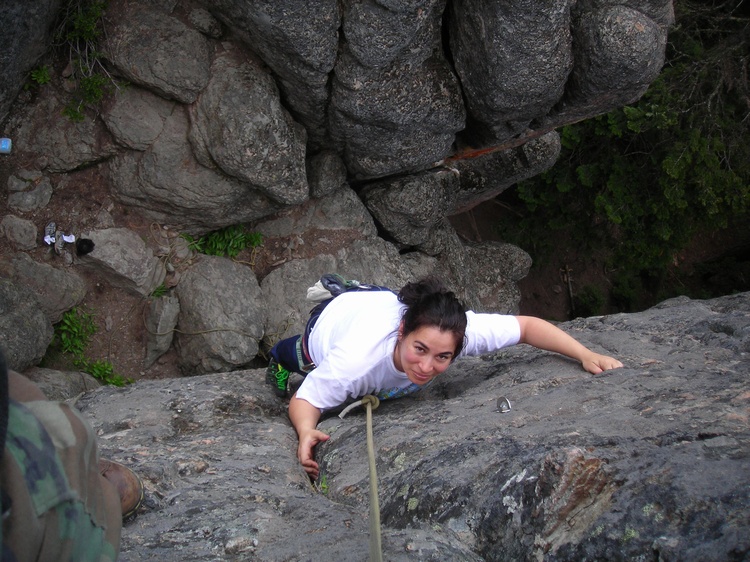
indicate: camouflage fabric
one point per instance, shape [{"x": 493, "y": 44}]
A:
[{"x": 62, "y": 508}]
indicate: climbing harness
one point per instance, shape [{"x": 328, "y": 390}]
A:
[{"x": 371, "y": 403}]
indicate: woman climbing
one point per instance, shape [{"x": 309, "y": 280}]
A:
[{"x": 376, "y": 342}]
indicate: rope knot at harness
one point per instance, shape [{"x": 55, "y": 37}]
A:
[{"x": 364, "y": 401}]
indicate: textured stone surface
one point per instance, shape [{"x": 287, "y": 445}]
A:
[
  {"x": 26, "y": 29},
  {"x": 220, "y": 324},
  {"x": 56, "y": 290},
  {"x": 121, "y": 257},
  {"x": 168, "y": 185},
  {"x": 62, "y": 385},
  {"x": 25, "y": 331},
  {"x": 647, "y": 461},
  {"x": 20, "y": 233},
  {"x": 239, "y": 125},
  {"x": 157, "y": 51}
]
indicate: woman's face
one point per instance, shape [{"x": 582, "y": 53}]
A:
[{"x": 424, "y": 353}]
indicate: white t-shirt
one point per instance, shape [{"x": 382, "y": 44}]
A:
[{"x": 352, "y": 346}]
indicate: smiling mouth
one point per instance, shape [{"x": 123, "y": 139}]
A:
[{"x": 420, "y": 377}]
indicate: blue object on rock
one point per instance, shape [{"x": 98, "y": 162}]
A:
[{"x": 5, "y": 146}]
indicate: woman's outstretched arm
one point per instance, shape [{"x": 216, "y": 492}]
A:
[
  {"x": 542, "y": 334},
  {"x": 305, "y": 419}
]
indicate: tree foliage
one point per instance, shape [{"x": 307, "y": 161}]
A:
[{"x": 643, "y": 179}]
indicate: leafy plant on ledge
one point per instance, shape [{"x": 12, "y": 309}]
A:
[
  {"x": 229, "y": 241},
  {"x": 39, "y": 76},
  {"x": 72, "y": 336}
]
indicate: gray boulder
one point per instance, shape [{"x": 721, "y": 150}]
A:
[
  {"x": 619, "y": 51},
  {"x": 163, "y": 313},
  {"x": 67, "y": 144},
  {"x": 395, "y": 119},
  {"x": 514, "y": 59},
  {"x": 136, "y": 117},
  {"x": 121, "y": 257},
  {"x": 25, "y": 331},
  {"x": 492, "y": 271},
  {"x": 20, "y": 233},
  {"x": 647, "y": 461},
  {"x": 299, "y": 44},
  {"x": 239, "y": 125},
  {"x": 408, "y": 208},
  {"x": 340, "y": 211},
  {"x": 157, "y": 51},
  {"x": 62, "y": 385},
  {"x": 484, "y": 178},
  {"x": 525, "y": 65},
  {"x": 220, "y": 324},
  {"x": 28, "y": 196},
  {"x": 204, "y": 22},
  {"x": 166, "y": 184},
  {"x": 377, "y": 33},
  {"x": 56, "y": 290}
]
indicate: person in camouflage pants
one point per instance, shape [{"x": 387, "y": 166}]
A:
[{"x": 56, "y": 504}]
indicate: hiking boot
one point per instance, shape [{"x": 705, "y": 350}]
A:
[
  {"x": 278, "y": 377},
  {"x": 127, "y": 484}
]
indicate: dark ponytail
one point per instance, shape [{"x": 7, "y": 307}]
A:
[{"x": 429, "y": 303}]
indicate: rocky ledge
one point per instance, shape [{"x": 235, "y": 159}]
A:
[{"x": 648, "y": 462}]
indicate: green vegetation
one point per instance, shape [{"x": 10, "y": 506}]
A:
[
  {"x": 589, "y": 301},
  {"x": 642, "y": 181},
  {"x": 229, "y": 241},
  {"x": 323, "y": 485},
  {"x": 104, "y": 372},
  {"x": 39, "y": 76},
  {"x": 72, "y": 336},
  {"x": 74, "y": 331},
  {"x": 79, "y": 30},
  {"x": 629, "y": 535},
  {"x": 160, "y": 291}
]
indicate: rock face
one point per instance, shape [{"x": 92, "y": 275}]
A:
[
  {"x": 644, "y": 462},
  {"x": 392, "y": 88},
  {"x": 25, "y": 330},
  {"x": 26, "y": 30},
  {"x": 346, "y": 133},
  {"x": 355, "y": 118},
  {"x": 221, "y": 317}
]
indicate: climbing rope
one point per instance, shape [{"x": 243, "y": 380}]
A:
[{"x": 371, "y": 403}]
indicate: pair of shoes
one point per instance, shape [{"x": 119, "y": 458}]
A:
[
  {"x": 126, "y": 482},
  {"x": 278, "y": 377}
]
